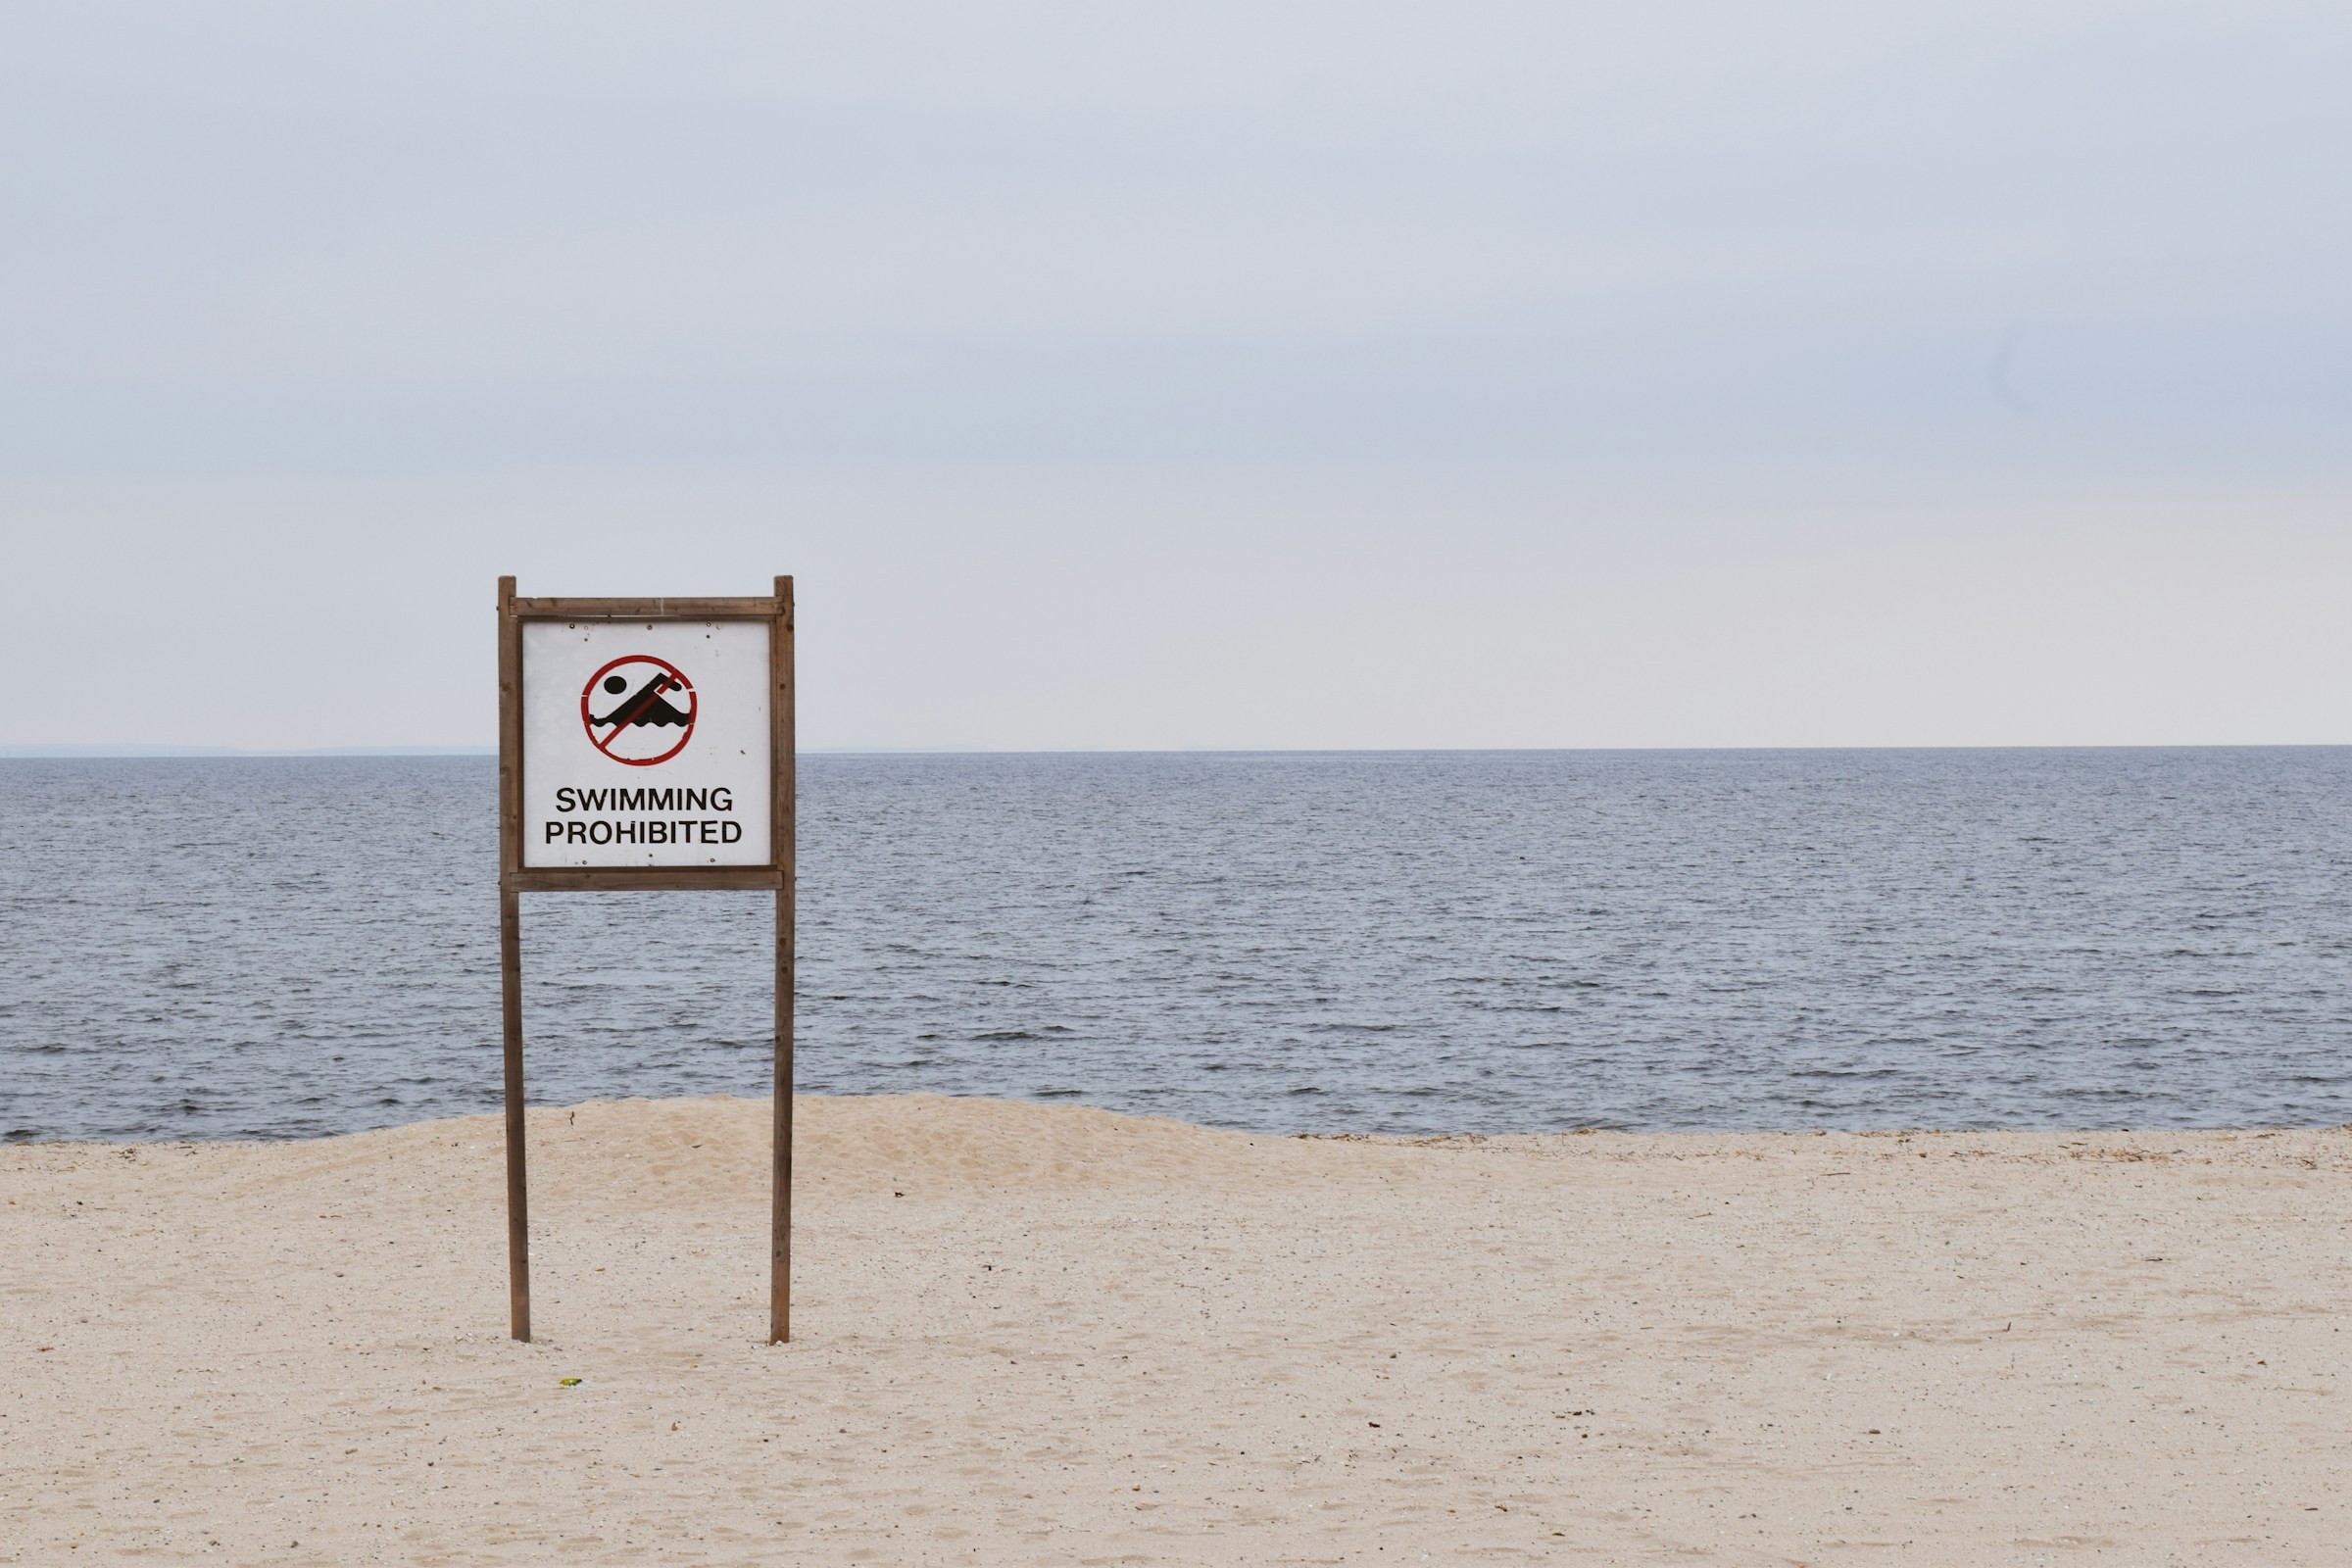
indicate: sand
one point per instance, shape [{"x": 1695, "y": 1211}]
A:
[{"x": 1032, "y": 1334}]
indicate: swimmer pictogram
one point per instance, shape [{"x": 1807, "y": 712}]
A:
[{"x": 644, "y": 700}]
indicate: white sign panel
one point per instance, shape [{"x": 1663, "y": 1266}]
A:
[{"x": 645, "y": 743}]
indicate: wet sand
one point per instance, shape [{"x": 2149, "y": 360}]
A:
[{"x": 1031, "y": 1334}]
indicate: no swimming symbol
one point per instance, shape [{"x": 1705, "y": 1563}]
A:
[{"x": 639, "y": 709}]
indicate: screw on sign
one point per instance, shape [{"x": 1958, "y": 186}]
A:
[{"x": 647, "y": 709}]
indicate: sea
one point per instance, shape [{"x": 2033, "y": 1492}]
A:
[{"x": 1402, "y": 943}]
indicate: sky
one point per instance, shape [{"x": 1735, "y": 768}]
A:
[{"x": 1191, "y": 376}]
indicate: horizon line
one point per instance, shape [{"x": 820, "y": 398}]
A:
[{"x": 67, "y": 751}]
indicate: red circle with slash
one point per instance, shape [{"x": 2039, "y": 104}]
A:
[{"x": 636, "y": 700}]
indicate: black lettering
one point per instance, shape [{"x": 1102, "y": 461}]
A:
[
  {"x": 600, "y": 832},
  {"x": 555, "y": 831},
  {"x": 722, "y": 800},
  {"x": 729, "y": 832},
  {"x": 563, "y": 799},
  {"x": 575, "y": 832}
]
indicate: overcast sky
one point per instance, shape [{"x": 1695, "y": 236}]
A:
[{"x": 1201, "y": 375}]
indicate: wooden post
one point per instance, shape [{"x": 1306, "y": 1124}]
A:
[
  {"x": 783, "y": 849},
  {"x": 509, "y": 951},
  {"x": 519, "y": 1220}
]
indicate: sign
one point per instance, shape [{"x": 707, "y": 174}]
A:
[{"x": 646, "y": 743}]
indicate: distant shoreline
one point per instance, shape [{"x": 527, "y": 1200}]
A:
[
  {"x": 68, "y": 753},
  {"x": 1680, "y": 1137},
  {"x": 111, "y": 753}
]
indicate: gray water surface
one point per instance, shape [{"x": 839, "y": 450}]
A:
[{"x": 1404, "y": 942}]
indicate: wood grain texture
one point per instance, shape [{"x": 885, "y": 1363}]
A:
[
  {"x": 643, "y": 878},
  {"x": 509, "y": 955},
  {"x": 784, "y": 847},
  {"x": 645, "y": 609}
]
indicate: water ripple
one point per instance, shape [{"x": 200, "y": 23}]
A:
[{"x": 1398, "y": 943}]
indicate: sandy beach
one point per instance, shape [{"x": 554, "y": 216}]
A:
[{"x": 1030, "y": 1334}]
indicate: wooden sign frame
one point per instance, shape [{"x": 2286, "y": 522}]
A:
[{"x": 515, "y": 879}]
